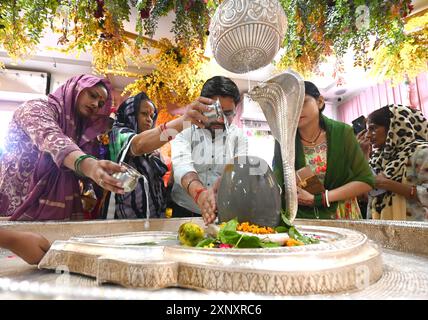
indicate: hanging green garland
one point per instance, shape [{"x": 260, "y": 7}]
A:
[{"x": 316, "y": 29}]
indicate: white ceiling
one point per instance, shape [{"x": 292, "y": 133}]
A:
[{"x": 64, "y": 65}]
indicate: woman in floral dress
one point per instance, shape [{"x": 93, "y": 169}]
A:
[{"x": 333, "y": 154}]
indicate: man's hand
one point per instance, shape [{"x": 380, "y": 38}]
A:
[{"x": 208, "y": 205}]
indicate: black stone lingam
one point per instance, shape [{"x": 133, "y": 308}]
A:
[{"x": 249, "y": 192}]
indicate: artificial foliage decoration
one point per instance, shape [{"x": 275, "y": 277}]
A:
[
  {"x": 191, "y": 20},
  {"x": 112, "y": 47},
  {"x": 320, "y": 28},
  {"x": 305, "y": 45},
  {"x": 409, "y": 58},
  {"x": 91, "y": 24},
  {"x": 98, "y": 25},
  {"x": 22, "y": 24},
  {"x": 374, "y": 30},
  {"x": 179, "y": 74}
]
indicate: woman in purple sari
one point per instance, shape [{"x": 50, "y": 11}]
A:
[{"x": 51, "y": 143}]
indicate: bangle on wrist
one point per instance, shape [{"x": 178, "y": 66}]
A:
[
  {"x": 326, "y": 199},
  {"x": 78, "y": 162},
  {"x": 131, "y": 151}
]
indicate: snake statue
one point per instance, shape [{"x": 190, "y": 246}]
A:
[{"x": 281, "y": 100}]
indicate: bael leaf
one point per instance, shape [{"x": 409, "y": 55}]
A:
[
  {"x": 254, "y": 242},
  {"x": 292, "y": 230},
  {"x": 229, "y": 237},
  {"x": 295, "y": 234},
  {"x": 228, "y": 234},
  {"x": 231, "y": 225},
  {"x": 269, "y": 244},
  {"x": 286, "y": 221},
  {"x": 205, "y": 242},
  {"x": 281, "y": 229}
]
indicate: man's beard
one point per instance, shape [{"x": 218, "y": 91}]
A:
[{"x": 213, "y": 126}]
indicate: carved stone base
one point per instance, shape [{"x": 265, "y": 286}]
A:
[{"x": 344, "y": 260}]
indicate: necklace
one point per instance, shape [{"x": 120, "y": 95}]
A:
[{"x": 312, "y": 142}]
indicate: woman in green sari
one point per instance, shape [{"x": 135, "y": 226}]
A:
[{"x": 332, "y": 152}]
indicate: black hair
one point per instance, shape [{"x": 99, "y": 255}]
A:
[
  {"x": 381, "y": 117},
  {"x": 221, "y": 86},
  {"x": 102, "y": 84},
  {"x": 312, "y": 90}
]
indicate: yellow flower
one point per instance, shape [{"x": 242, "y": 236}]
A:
[{"x": 293, "y": 242}]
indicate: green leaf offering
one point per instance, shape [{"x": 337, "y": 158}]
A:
[
  {"x": 229, "y": 235},
  {"x": 205, "y": 242},
  {"x": 293, "y": 232},
  {"x": 281, "y": 229}
]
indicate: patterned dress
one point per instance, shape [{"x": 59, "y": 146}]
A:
[
  {"x": 403, "y": 158},
  {"x": 316, "y": 158},
  {"x": 34, "y": 184},
  {"x": 149, "y": 197},
  {"x": 417, "y": 174}
]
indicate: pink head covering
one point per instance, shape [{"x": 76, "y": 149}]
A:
[
  {"x": 64, "y": 99},
  {"x": 56, "y": 185}
]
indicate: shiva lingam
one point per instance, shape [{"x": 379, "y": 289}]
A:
[{"x": 249, "y": 192}]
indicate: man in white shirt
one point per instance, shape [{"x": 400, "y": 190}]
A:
[{"x": 199, "y": 155}]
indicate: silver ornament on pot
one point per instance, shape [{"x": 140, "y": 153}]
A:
[{"x": 246, "y": 35}]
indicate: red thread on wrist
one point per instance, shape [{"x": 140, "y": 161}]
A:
[
  {"x": 413, "y": 191},
  {"x": 198, "y": 193},
  {"x": 164, "y": 128}
]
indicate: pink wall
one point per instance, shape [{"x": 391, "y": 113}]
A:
[{"x": 414, "y": 94}]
